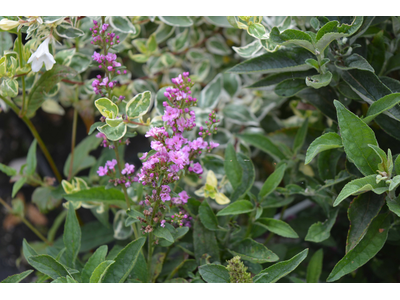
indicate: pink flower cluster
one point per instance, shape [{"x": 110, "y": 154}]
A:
[
  {"x": 173, "y": 153},
  {"x": 109, "y": 169},
  {"x": 107, "y": 62}
]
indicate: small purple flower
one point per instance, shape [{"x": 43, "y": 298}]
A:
[
  {"x": 102, "y": 171},
  {"x": 129, "y": 169},
  {"x": 163, "y": 223},
  {"x": 184, "y": 196}
]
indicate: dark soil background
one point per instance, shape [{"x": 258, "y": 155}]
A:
[{"x": 15, "y": 139}]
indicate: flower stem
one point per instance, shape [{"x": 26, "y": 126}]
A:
[
  {"x": 150, "y": 241},
  {"x": 73, "y": 141},
  {"x": 120, "y": 170},
  {"x": 37, "y": 136},
  {"x": 21, "y": 65},
  {"x": 27, "y": 223}
]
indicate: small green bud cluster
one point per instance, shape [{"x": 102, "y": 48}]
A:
[{"x": 237, "y": 271}]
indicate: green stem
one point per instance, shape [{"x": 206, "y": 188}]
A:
[
  {"x": 21, "y": 65},
  {"x": 73, "y": 141},
  {"x": 27, "y": 223},
  {"x": 150, "y": 240},
  {"x": 37, "y": 136},
  {"x": 120, "y": 170}
]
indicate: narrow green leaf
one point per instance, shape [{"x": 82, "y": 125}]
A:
[
  {"x": 124, "y": 262},
  {"x": 263, "y": 143},
  {"x": 100, "y": 271},
  {"x": 157, "y": 262},
  {"x": 394, "y": 205},
  {"x": 27, "y": 250},
  {"x": 359, "y": 185},
  {"x": 207, "y": 216},
  {"x": 18, "y": 185},
  {"x": 356, "y": 135},
  {"x": 31, "y": 159},
  {"x": 72, "y": 237},
  {"x": 277, "y": 78},
  {"x": 94, "y": 261},
  {"x": 294, "y": 37},
  {"x": 214, "y": 273},
  {"x": 7, "y": 170},
  {"x": 300, "y": 136},
  {"x": 355, "y": 61},
  {"x": 383, "y": 104},
  {"x": 17, "y": 277},
  {"x": 283, "y": 60},
  {"x": 98, "y": 194},
  {"x": 48, "y": 265},
  {"x": 366, "y": 249},
  {"x": 253, "y": 251},
  {"x": 247, "y": 179},
  {"x": 330, "y": 140},
  {"x": 280, "y": 269},
  {"x": 178, "y": 21},
  {"x": 278, "y": 227},
  {"x": 290, "y": 87},
  {"x": 314, "y": 268},
  {"x": 237, "y": 208},
  {"x": 272, "y": 182},
  {"x": 320, "y": 232},
  {"x": 233, "y": 170},
  {"x": 362, "y": 210}
]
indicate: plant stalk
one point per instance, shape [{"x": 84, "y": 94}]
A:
[
  {"x": 24, "y": 107},
  {"x": 120, "y": 170},
  {"x": 73, "y": 141},
  {"x": 27, "y": 223},
  {"x": 37, "y": 136}
]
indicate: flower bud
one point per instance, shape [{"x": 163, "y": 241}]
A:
[{"x": 6, "y": 24}]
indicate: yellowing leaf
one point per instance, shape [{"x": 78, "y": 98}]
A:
[{"x": 221, "y": 199}]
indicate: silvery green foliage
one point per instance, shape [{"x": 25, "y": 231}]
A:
[{"x": 308, "y": 110}]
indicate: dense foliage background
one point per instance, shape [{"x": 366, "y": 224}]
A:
[{"x": 302, "y": 186}]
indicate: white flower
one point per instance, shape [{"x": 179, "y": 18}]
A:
[
  {"x": 42, "y": 55},
  {"x": 6, "y": 24}
]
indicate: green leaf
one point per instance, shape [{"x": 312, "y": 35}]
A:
[
  {"x": 249, "y": 50},
  {"x": 210, "y": 95},
  {"x": 216, "y": 45},
  {"x": 177, "y": 21},
  {"x": 290, "y": 87},
  {"x": 283, "y": 60},
  {"x": 27, "y": 250},
  {"x": 113, "y": 133},
  {"x": 320, "y": 232},
  {"x": 253, "y": 251},
  {"x": 82, "y": 159},
  {"x": 394, "y": 205},
  {"x": 45, "y": 83},
  {"x": 204, "y": 243},
  {"x": 17, "y": 277},
  {"x": 68, "y": 32},
  {"x": 314, "y": 268},
  {"x": 382, "y": 105},
  {"x": 362, "y": 210},
  {"x": 366, "y": 249},
  {"x": 319, "y": 81},
  {"x": 107, "y": 108},
  {"x": 156, "y": 264},
  {"x": 72, "y": 237},
  {"x": 300, "y": 136},
  {"x": 164, "y": 233},
  {"x": 394, "y": 183},
  {"x": 256, "y": 30},
  {"x": 247, "y": 178},
  {"x": 278, "y": 227},
  {"x": 101, "y": 270},
  {"x": 94, "y": 261},
  {"x": 294, "y": 37},
  {"x": 139, "y": 105},
  {"x": 272, "y": 182},
  {"x": 163, "y": 32},
  {"x": 124, "y": 262},
  {"x": 322, "y": 99},
  {"x": 355, "y": 61},
  {"x": 8, "y": 170},
  {"x": 330, "y": 140},
  {"x": 207, "y": 216},
  {"x": 214, "y": 273},
  {"x": 122, "y": 24},
  {"x": 277, "y": 78},
  {"x": 360, "y": 185},
  {"x": 48, "y": 265},
  {"x": 263, "y": 143},
  {"x": 18, "y": 185},
  {"x": 277, "y": 271},
  {"x": 98, "y": 194},
  {"x": 332, "y": 31},
  {"x": 356, "y": 135},
  {"x": 233, "y": 170},
  {"x": 31, "y": 159},
  {"x": 44, "y": 198},
  {"x": 237, "y": 208}
]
